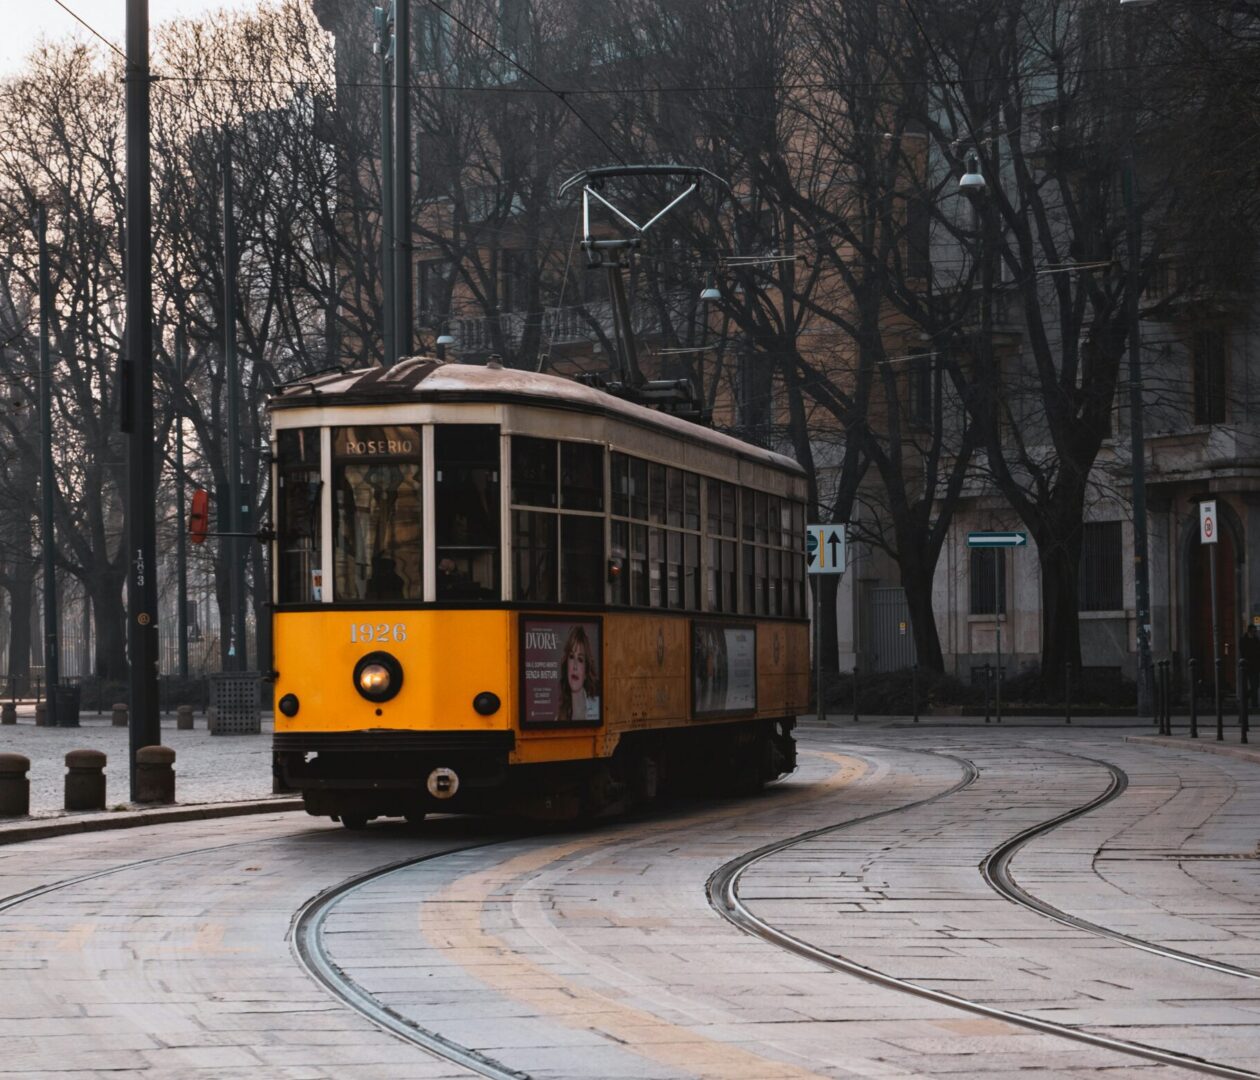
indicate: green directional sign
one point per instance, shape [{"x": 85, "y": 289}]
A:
[{"x": 997, "y": 539}]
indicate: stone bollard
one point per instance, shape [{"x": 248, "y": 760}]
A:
[
  {"x": 155, "y": 774},
  {"x": 120, "y": 714},
  {"x": 15, "y": 788},
  {"x": 41, "y": 714},
  {"x": 85, "y": 780},
  {"x": 212, "y": 718},
  {"x": 8, "y": 713},
  {"x": 185, "y": 718}
]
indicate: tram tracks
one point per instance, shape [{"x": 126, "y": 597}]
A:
[{"x": 723, "y": 890}]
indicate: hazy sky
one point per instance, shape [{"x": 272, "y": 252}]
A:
[{"x": 26, "y": 21}]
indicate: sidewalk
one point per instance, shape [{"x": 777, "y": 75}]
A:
[
  {"x": 1206, "y": 743},
  {"x": 208, "y": 768}
]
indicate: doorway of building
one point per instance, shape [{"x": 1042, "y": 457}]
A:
[{"x": 1199, "y": 602}]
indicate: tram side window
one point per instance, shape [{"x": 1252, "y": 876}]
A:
[
  {"x": 377, "y": 513},
  {"x": 773, "y": 531},
  {"x": 300, "y": 574},
  {"x": 559, "y": 551},
  {"x": 466, "y": 500},
  {"x": 661, "y": 560}
]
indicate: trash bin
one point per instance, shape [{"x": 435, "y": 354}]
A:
[
  {"x": 64, "y": 701},
  {"x": 234, "y": 695}
]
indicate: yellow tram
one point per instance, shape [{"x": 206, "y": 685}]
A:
[{"x": 503, "y": 591}]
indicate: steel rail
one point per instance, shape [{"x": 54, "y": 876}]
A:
[
  {"x": 307, "y": 939},
  {"x": 997, "y": 872},
  {"x": 723, "y": 891}
]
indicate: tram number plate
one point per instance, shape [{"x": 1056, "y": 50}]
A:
[{"x": 364, "y": 633}]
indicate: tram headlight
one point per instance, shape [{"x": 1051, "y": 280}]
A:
[{"x": 378, "y": 676}]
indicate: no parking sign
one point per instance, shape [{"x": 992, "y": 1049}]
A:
[{"x": 1207, "y": 522}]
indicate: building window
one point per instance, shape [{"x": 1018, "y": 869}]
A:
[
  {"x": 918, "y": 238},
  {"x": 920, "y": 390},
  {"x": 988, "y": 579},
  {"x": 1100, "y": 582},
  {"x": 1208, "y": 349}
]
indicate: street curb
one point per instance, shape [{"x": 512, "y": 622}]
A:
[
  {"x": 39, "y": 829},
  {"x": 1208, "y": 745}
]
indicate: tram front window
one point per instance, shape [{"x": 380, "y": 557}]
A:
[
  {"x": 377, "y": 513},
  {"x": 466, "y": 475}
]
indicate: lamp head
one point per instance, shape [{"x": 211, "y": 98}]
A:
[
  {"x": 710, "y": 294},
  {"x": 972, "y": 182}
]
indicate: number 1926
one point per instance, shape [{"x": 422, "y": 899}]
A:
[{"x": 364, "y": 633}]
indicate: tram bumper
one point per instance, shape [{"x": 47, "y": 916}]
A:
[{"x": 387, "y": 771}]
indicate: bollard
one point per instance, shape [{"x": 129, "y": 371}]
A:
[
  {"x": 1244, "y": 721},
  {"x": 914, "y": 689},
  {"x": 212, "y": 717},
  {"x": 1067, "y": 693},
  {"x": 1194, "y": 699},
  {"x": 1165, "y": 696},
  {"x": 85, "y": 780},
  {"x": 8, "y": 713},
  {"x": 1157, "y": 677},
  {"x": 41, "y": 714},
  {"x": 185, "y": 718},
  {"x": 15, "y": 788},
  {"x": 155, "y": 774},
  {"x": 855, "y": 701},
  {"x": 120, "y": 714}
]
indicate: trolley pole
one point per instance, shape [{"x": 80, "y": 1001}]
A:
[
  {"x": 142, "y": 608},
  {"x": 52, "y": 666}
]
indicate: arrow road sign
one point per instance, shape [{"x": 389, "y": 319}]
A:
[
  {"x": 997, "y": 539},
  {"x": 824, "y": 549}
]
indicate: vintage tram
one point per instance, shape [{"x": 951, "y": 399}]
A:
[{"x": 503, "y": 591}]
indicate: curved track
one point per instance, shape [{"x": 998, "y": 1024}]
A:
[
  {"x": 997, "y": 872},
  {"x": 723, "y": 888}
]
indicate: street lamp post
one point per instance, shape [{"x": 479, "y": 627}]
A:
[
  {"x": 1137, "y": 440},
  {"x": 52, "y": 667}
]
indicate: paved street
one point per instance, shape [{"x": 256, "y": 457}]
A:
[{"x": 174, "y": 951}]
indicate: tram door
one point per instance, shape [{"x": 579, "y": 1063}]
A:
[{"x": 1200, "y": 601}]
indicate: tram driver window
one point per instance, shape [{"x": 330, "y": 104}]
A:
[
  {"x": 377, "y": 513},
  {"x": 466, "y": 497},
  {"x": 299, "y": 576}
]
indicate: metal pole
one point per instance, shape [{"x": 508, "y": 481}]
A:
[
  {"x": 52, "y": 673},
  {"x": 1216, "y": 647},
  {"x": 855, "y": 688},
  {"x": 997, "y": 627},
  {"x": 1137, "y": 444},
  {"x": 988, "y": 686},
  {"x": 181, "y": 537},
  {"x": 1194, "y": 698},
  {"x": 822, "y": 715},
  {"x": 142, "y": 607},
  {"x": 1242, "y": 700},
  {"x": 1067, "y": 693},
  {"x": 385, "y": 52},
  {"x": 233, "y": 551},
  {"x": 403, "y": 300},
  {"x": 914, "y": 689}
]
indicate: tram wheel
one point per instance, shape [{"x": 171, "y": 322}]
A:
[{"x": 354, "y": 821}]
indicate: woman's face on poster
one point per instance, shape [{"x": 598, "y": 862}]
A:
[{"x": 575, "y": 667}]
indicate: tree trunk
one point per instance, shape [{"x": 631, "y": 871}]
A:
[
  {"x": 917, "y": 583},
  {"x": 111, "y": 627},
  {"x": 21, "y": 601},
  {"x": 1060, "y": 606}
]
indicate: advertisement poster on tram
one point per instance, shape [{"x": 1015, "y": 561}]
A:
[
  {"x": 723, "y": 668},
  {"x": 561, "y": 672}
]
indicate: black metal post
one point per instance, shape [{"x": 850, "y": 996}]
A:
[
  {"x": 1243, "y": 703},
  {"x": 1165, "y": 700},
  {"x": 1220, "y": 715},
  {"x": 181, "y": 534},
  {"x": 384, "y": 48},
  {"x": 233, "y": 549},
  {"x": 403, "y": 300},
  {"x": 855, "y": 690},
  {"x": 142, "y": 607},
  {"x": 988, "y": 686},
  {"x": 52, "y": 664},
  {"x": 914, "y": 689},
  {"x": 1194, "y": 698},
  {"x": 1067, "y": 693}
]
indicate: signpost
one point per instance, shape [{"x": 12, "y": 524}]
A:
[
  {"x": 825, "y": 553},
  {"x": 1207, "y": 535},
  {"x": 997, "y": 540}
]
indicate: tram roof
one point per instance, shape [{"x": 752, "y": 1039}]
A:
[{"x": 420, "y": 378}]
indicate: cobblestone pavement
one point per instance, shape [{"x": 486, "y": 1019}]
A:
[
  {"x": 597, "y": 954},
  {"x": 208, "y": 768}
]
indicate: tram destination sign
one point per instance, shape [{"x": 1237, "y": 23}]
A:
[
  {"x": 997, "y": 539},
  {"x": 825, "y": 549}
]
